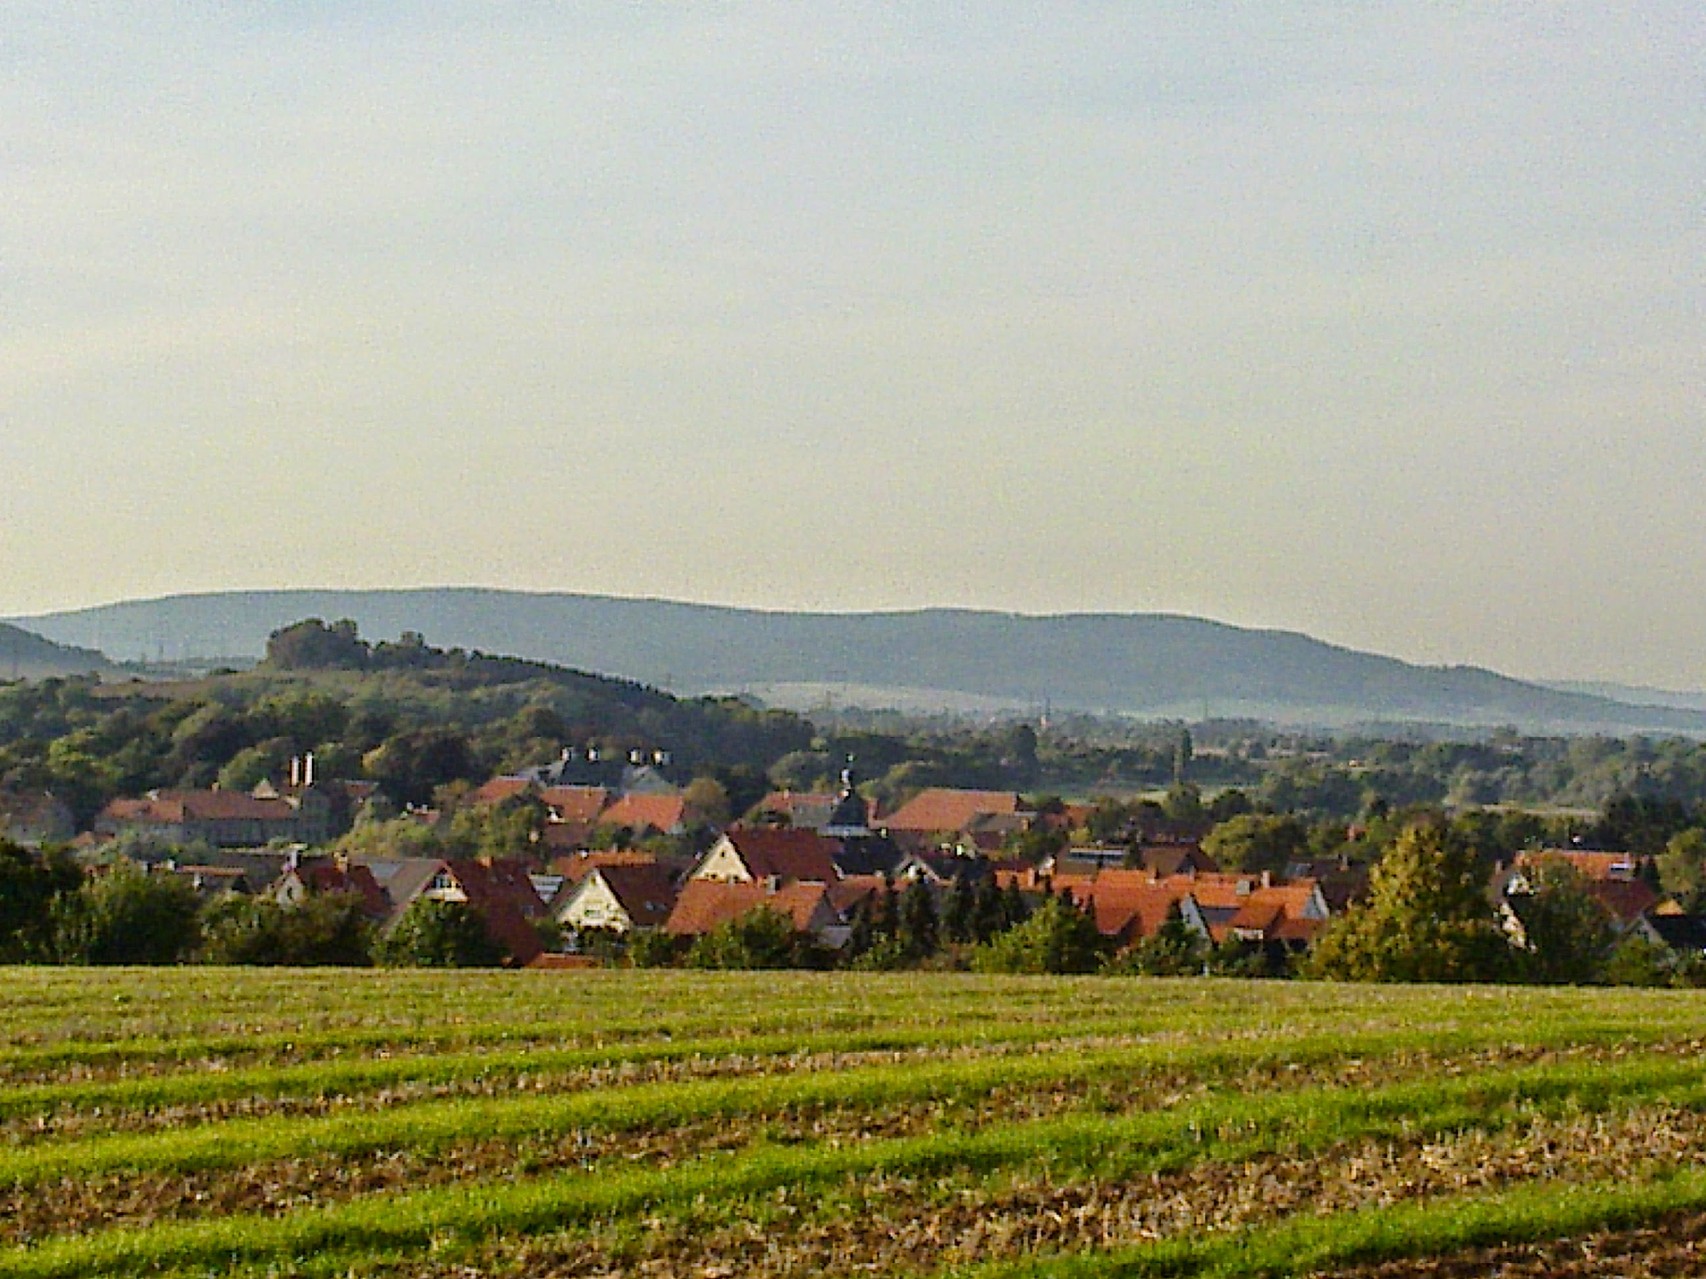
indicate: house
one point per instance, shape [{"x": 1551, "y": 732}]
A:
[
  {"x": 1246, "y": 908},
  {"x": 1621, "y": 883},
  {"x": 1163, "y": 861},
  {"x": 946, "y": 811},
  {"x": 843, "y": 814},
  {"x": 501, "y": 892},
  {"x": 316, "y": 877},
  {"x": 568, "y": 804},
  {"x": 809, "y": 908},
  {"x": 647, "y": 814},
  {"x": 1084, "y": 860},
  {"x": 1129, "y": 908},
  {"x": 575, "y": 805},
  {"x": 1254, "y": 908},
  {"x": 1683, "y": 935},
  {"x": 941, "y": 867},
  {"x": 749, "y": 854},
  {"x": 618, "y": 898},
  {"x": 221, "y": 818},
  {"x": 34, "y": 818}
]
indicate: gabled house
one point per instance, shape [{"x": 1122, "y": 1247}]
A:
[
  {"x": 1128, "y": 909},
  {"x": 316, "y": 877},
  {"x": 500, "y": 892},
  {"x": 1253, "y": 908},
  {"x": 1683, "y": 935},
  {"x": 946, "y": 811},
  {"x": 664, "y": 814},
  {"x": 618, "y": 898},
  {"x": 809, "y": 907},
  {"x": 1620, "y": 882},
  {"x": 752, "y": 854}
]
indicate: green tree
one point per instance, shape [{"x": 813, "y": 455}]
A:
[
  {"x": 1257, "y": 842},
  {"x": 1173, "y": 950},
  {"x": 707, "y": 802},
  {"x": 412, "y": 764},
  {"x": 1635, "y": 961},
  {"x": 1426, "y": 919},
  {"x": 312, "y": 645},
  {"x": 30, "y": 885},
  {"x": 1682, "y": 867},
  {"x": 918, "y": 931},
  {"x": 439, "y": 934},
  {"x": 761, "y": 938},
  {"x": 327, "y": 929},
  {"x": 129, "y": 916},
  {"x": 651, "y": 948},
  {"x": 1057, "y": 938},
  {"x": 1568, "y": 934}
]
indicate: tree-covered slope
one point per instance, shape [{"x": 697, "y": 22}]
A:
[
  {"x": 27, "y": 655},
  {"x": 1123, "y": 663}
]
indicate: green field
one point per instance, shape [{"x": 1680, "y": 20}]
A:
[{"x": 204, "y": 1121}]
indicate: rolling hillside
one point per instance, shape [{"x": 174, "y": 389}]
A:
[
  {"x": 1138, "y": 664},
  {"x": 25, "y": 654}
]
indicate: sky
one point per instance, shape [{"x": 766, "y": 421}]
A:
[{"x": 1386, "y": 323}]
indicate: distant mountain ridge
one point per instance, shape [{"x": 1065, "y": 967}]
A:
[
  {"x": 1137, "y": 664},
  {"x": 25, "y": 654}
]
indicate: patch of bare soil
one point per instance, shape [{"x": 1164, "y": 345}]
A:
[{"x": 1671, "y": 1249}]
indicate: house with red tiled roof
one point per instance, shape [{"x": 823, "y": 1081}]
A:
[
  {"x": 750, "y": 854},
  {"x": 1620, "y": 882},
  {"x": 808, "y": 906},
  {"x": 500, "y": 892},
  {"x": 1129, "y": 907},
  {"x": 220, "y": 818},
  {"x": 1592, "y": 866},
  {"x": 575, "y": 805},
  {"x": 943, "y": 810},
  {"x": 618, "y": 899},
  {"x": 498, "y": 789},
  {"x": 642, "y": 814},
  {"x": 315, "y": 877},
  {"x": 1254, "y": 908},
  {"x": 1249, "y": 908}
]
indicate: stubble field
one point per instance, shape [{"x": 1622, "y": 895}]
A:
[{"x": 201, "y": 1121}]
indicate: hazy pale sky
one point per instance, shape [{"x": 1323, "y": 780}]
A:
[{"x": 1381, "y": 322}]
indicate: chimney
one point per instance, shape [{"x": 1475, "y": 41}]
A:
[
  {"x": 295, "y": 771},
  {"x": 308, "y": 770}
]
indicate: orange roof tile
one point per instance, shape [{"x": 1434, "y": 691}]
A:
[
  {"x": 945, "y": 809},
  {"x": 704, "y": 904},
  {"x": 575, "y": 803},
  {"x": 499, "y": 789},
  {"x": 1589, "y": 865},
  {"x": 663, "y": 813}
]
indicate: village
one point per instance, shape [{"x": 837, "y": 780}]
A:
[{"x": 610, "y": 862}]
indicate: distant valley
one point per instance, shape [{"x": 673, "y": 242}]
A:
[{"x": 1145, "y": 665}]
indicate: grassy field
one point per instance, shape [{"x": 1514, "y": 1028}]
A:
[{"x": 203, "y": 1121}]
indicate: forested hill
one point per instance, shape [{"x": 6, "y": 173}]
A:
[
  {"x": 25, "y": 654},
  {"x": 1143, "y": 664}
]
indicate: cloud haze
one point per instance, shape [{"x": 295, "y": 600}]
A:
[{"x": 1379, "y": 322}]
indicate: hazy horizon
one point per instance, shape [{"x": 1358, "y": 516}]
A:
[{"x": 1386, "y": 326}]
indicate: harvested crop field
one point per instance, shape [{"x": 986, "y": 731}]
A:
[{"x": 200, "y": 1121}]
